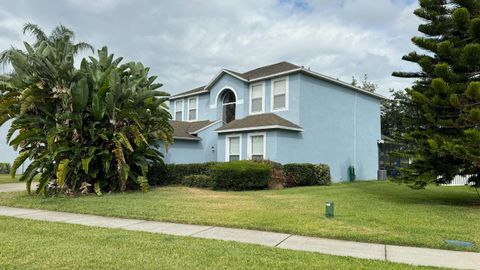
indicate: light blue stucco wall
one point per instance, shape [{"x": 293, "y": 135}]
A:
[
  {"x": 240, "y": 89},
  {"x": 203, "y": 105},
  {"x": 341, "y": 127},
  {"x": 293, "y": 112},
  {"x": 186, "y": 151},
  {"x": 209, "y": 104}
]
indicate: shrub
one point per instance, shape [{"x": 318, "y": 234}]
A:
[
  {"x": 4, "y": 168},
  {"x": 197, "y": 180},
  {"x": 158, "y": 174},
  {"x": 279, "y": 178},
  {"x": 323, "y": 174},
  {"x": 307, "y": 174},
  {"x": 241, "y": 175},
  {"x": 173, "y": 174},
  {"x": 178, "y": 171}
]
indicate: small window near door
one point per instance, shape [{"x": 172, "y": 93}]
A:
[
  {"x": 192, "y": 109},
  {"x": 256, "y": 98},
  {"x": 279, "y": 94},
  {"x": 179, "y": 110},
  {"x": 233, "y": 148},
  {"x": 257, "y": 146}
]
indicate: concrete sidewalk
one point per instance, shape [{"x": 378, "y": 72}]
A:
[{"x": 400, "y": 254}]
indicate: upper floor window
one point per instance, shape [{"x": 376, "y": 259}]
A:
[
  {"x": 228, "y": 104},
  {"x": 257, "y": 98},
  {"x": 279, "y": 94},
  {"x": 179, "y": 110},
  {"x": 193, "y": 109}
]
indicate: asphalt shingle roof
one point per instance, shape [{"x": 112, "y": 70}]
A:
[
  {"x": 249, "y": 75},
  {"x": 268, "y": 70},
  {"x": 182, "y": 130},
  {"x": 193, "y": 91},
  {"x": 268, "y": 120}
]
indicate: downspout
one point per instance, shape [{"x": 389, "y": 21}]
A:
[{"x": 355, "y": 130}]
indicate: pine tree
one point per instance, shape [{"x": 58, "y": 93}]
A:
[{"x": 446, "y": 94}]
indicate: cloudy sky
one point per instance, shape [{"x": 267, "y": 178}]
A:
[{"x": 187, "y": 42}]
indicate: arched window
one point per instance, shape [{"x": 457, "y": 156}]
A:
[{"x": 228, "y": 103}]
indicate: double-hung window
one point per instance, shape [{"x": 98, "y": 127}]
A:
[
  {"x": 256, "y": 146},
  {"x": 280, "y": 94},
  {"x": 192, "y": 109},
  {"x": 179, "y": 110},
  {"x": 233, "y": 148},
  {"x": 257, "y": 98}
]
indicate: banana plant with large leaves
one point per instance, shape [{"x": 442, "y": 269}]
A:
[{"x": 94, "y": 128}]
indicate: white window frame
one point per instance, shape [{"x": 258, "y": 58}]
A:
[
  {"x": 181, "y": 110},
  {"x": 196, "y": 109},
  {"x": 251, "y": 99},
  {"x": 227, "y": 146},
  {"x": 249, "y": 144},
  {"x": 272, "y": 83}
]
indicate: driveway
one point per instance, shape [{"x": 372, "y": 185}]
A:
[{"x": 12, "y": 187}]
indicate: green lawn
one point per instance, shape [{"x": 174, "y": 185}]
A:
[
  {"x": 26, "y": 244},
  {"x": 380, "y": 212},
  {"x": 5, "y": 178}
]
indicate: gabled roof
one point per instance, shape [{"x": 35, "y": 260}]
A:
[
  {"x": 278, "y": 69},
  {"x": 246, "y": 77},
  {"x": 269, "y": 70},
  {"x": 186, "y": 130},
  {"x": 259, "y": 122},
  {"x": 258, "y": 73}
]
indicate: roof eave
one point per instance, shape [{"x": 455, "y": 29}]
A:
[
  {"x": 205, "y": 127},
  {"x": 332, "y": 80},
  {"x": 186, "y": 138},
  {"x": 188, "y": 95},
  {"x": 219, "y": 74},
  {"x": 260, "y": 128}
]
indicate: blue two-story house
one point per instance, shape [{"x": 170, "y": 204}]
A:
[{"x": 281, "y": 112}]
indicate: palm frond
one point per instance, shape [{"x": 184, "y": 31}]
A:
[
  {"x": 82, "y": 46},
  {"x": 36, "y": 31}
]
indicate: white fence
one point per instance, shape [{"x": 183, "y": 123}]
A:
[{"x": 459, "y": 180}]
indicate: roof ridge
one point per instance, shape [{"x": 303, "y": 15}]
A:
[{"x": 271, "y": 65}]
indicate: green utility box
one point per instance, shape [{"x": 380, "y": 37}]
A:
[
  {"x": 351, "y": 173},
  {"x": 329, "y": 209}
]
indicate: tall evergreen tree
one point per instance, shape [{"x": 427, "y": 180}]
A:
[{"x": 446, "y": 93}]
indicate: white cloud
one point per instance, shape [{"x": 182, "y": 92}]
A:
[{"x": 186, "y": 42}]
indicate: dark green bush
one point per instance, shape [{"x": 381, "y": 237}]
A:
[
  {"x": 323, "y": 174},
  {"x": 4, "y": 168},
  {"x": 241, "y": 175},
  {"x": 278, "y": 179},
  {"x": 307, "y": 174},
  {"x": 158, "y": 175},
  {"x": 198, "y": 180},
  {"x": 173, "y": 174}
]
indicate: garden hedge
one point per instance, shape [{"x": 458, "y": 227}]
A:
[
  {"x": 198, "y": 180},
  {"x": 241, "y": 175},
  {"x": 173, "y": 174},
  {"x": 307, "y": 174}
]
